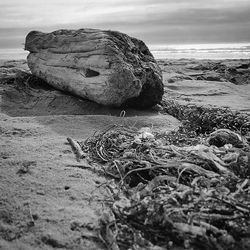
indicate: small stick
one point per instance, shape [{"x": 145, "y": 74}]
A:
[{"x": 76, "y": 148}]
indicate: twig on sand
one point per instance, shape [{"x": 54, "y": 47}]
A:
[{"x": 76, "y": 148}]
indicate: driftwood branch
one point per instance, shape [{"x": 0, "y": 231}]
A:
[{"x": 76, "y": 148}]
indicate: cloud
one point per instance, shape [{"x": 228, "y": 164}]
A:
[{"x": 155, "y": 21}]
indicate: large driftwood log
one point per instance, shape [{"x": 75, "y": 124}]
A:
[{"x": 107, "y": 67}]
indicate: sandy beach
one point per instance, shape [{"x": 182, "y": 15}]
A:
[{"x": 48, "y": 199}]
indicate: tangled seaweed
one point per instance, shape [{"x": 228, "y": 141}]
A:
[
  {"x": 205, "y": 119},
  {"x": 187, "y": 189},
  {"x": 193, "y": 196}
]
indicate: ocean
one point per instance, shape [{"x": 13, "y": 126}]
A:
[
  {"x": 13, "y": 54},
  {"x": 202, "y": 51},
  {"x": 163, "y": 51}
]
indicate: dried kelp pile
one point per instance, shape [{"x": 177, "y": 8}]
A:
[
  {"x": 204, "y": 119},
  {"x": 173, "y": 190}
]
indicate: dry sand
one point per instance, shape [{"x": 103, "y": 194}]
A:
[
  {"x": 47, "y": 200},
  {"x": 63, "y": 199}
]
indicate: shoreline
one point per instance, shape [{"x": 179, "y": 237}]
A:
[
  {"x": 202, "y": 82},
  {"x": 175, "y": 54}
]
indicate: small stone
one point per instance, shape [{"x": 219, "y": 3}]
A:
[
  {"x": 53, "y": 239},
  {"x": 25, "y": 167},
  {"x": 170, "y": 244},
  {"x": 31, "y": 223},
  {"x": 40, "y": 192},
  {"x": 90, "y": 226},
  {"x": 35, "y": 216},
  {"x": 23, "y": 170},
  {"x": 137, "y": 141},
  {"x": 186, "y": 244},
  {"x": 75, "y": 225},
  {"x": 146, "y": 135},
  {"x": 158, "y": 108},
  {"x": 73, "y": 197}
]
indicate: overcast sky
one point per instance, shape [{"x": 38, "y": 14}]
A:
[{"x": 154, "y": 21}]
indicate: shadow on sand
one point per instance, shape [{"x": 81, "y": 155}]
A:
[{"x": 68, "y": 115}]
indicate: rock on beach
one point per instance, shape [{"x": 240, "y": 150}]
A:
[{"x": 107, "y": 67}]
